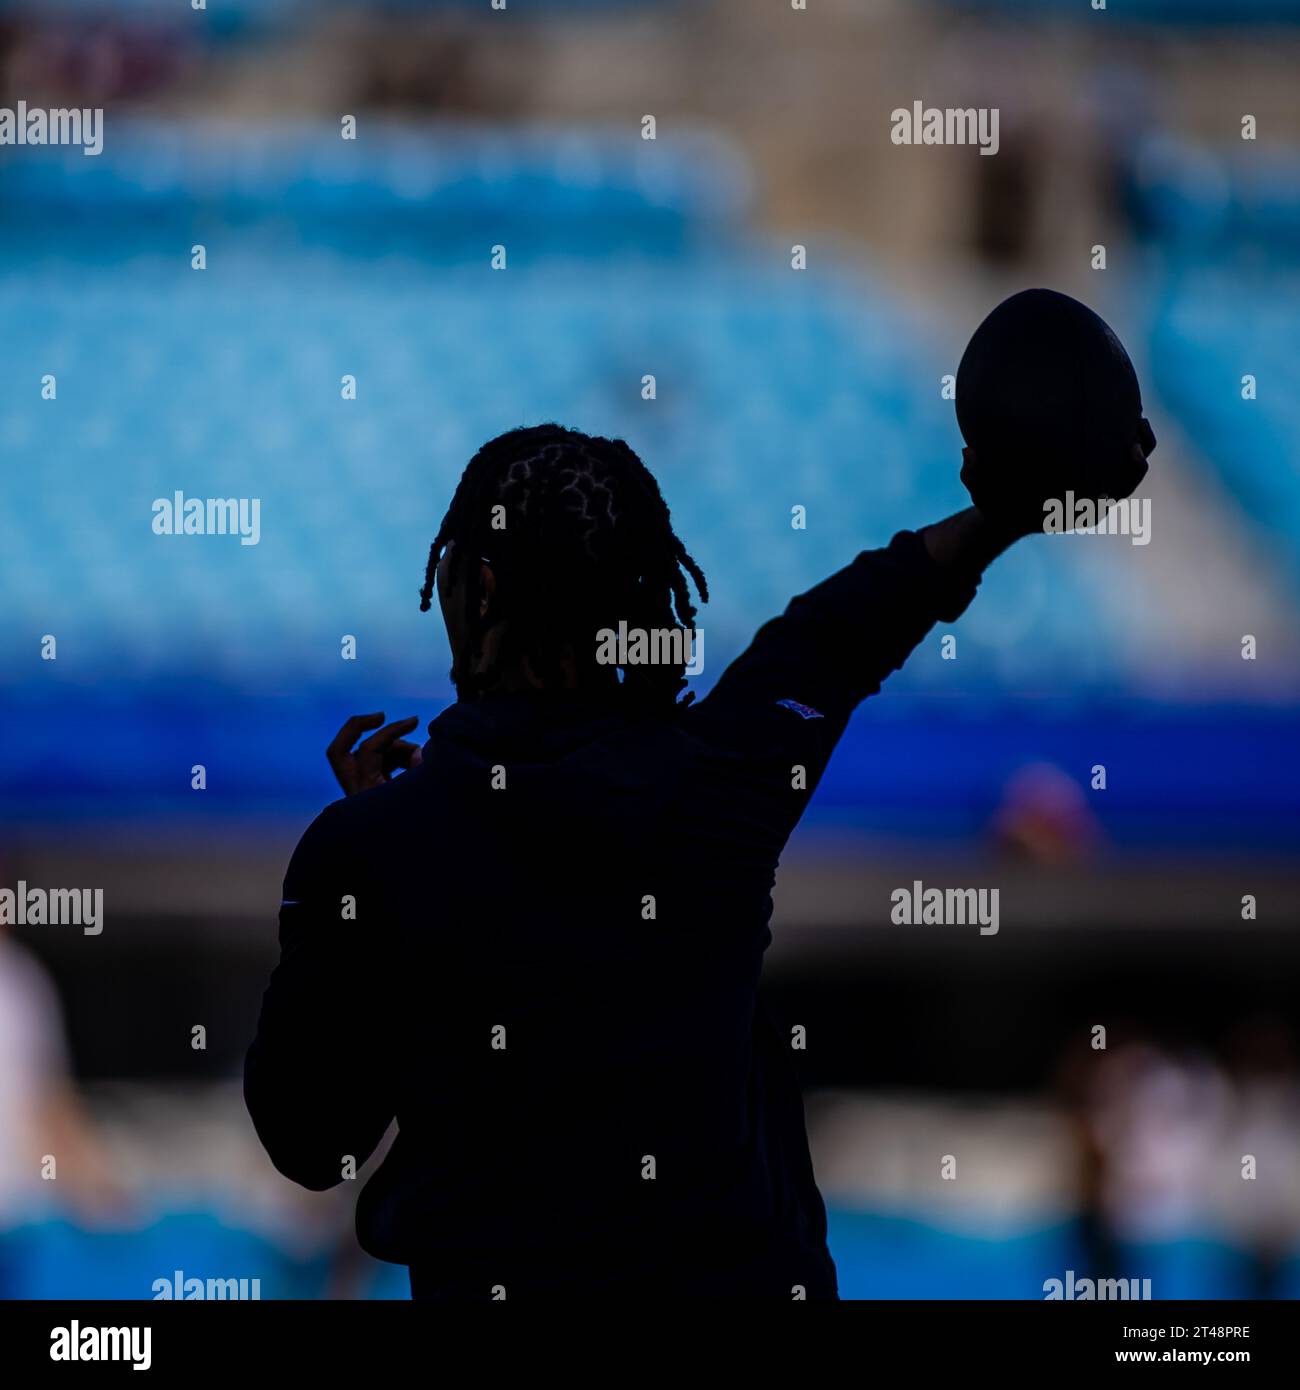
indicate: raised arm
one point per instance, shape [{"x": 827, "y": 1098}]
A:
[
  {"x": 966, "y": 543},
  {"x": 836, "y": 644}
]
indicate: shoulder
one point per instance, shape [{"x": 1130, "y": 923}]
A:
[{"x": 349, "y": 826}]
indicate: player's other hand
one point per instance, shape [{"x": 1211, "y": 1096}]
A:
[{"x": 374, "y": 760}]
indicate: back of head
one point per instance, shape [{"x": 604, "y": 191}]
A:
[{"x": 578, "y": 539}]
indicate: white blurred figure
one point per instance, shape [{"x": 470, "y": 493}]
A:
[
  {"x": 1159, "y": 1121},
  {"x": 41, "y": 1115},
  {"x": 33, "y": 1061}
]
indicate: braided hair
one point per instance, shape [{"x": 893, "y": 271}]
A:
[{"x": 582, "y": 539}]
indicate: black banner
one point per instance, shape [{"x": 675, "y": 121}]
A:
[{"x": 1047, "y": 1341}]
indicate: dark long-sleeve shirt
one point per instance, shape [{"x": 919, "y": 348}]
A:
[{"x": 540, "y": 951}]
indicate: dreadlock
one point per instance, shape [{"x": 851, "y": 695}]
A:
[{"x": 585, "y": 539}]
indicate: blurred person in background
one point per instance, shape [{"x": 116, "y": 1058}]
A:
[
  {"x": 41, "y": 1114},
  {"x": 1158, "y": 1117},
  {"x": 1045, "y": 818}
]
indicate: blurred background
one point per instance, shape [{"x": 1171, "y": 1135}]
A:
[{"x": 371, "y": 257}]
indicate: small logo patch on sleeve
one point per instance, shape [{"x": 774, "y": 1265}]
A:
[{"x": 803, "y": 711}]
